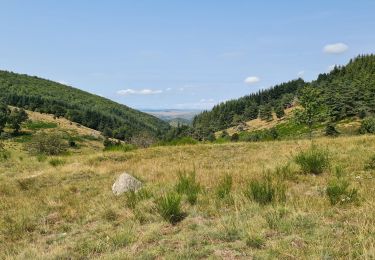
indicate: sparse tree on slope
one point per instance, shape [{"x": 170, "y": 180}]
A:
[{"x": 312, "y": 110}]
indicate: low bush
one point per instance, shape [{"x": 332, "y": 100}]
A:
[
  {"x": 47, "y": 143},
  {"x": 265, "y": 191},
  {"x": 339, "y": 192},
  {"x": 313, "y": 161},
  {"x": 368, "y": 126},
  {"x": 169, "y": 207},
  {"x": 331, "y": 130},
  {"x": 188, "y": 185},
  {"x": 225, "y": 186}
]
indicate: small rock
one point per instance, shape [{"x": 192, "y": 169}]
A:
[{"x": 125, "y": 183}]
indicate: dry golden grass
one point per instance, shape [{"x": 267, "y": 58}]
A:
[{"x": 68, "y": 211}]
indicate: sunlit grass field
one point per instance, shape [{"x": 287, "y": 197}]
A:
[{"x": 63, "y": 207}]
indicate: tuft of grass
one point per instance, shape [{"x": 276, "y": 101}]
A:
[
  {"x": 188, "y": 185},
  {"x": 110, "y": 215},
  {"x": 339, "y": 192},
  {"x": 265, "y": 191},
  {"x": 122, "y": 239},
  {"x": 169, "y": 207},
  {"x": 134, "y": 197},
  {"x": 255, "y": 241},
  {"x": 370, "y": 165},
  {"x": 56, "y": 162},
  {"x": 313, "y": 161},
  {"x": 4, "y": 155},
  {"x": 225, "y": 186}
]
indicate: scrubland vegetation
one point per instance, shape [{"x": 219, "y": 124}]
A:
[{"x": 276, "y": 199}]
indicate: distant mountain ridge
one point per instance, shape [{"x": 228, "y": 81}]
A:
[{"x": 45, "y": 96}]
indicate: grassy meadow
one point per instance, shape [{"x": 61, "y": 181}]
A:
[{"x": 62, "y": 207}]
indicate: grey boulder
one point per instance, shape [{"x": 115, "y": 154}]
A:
[{"x": 125, "y": 183}]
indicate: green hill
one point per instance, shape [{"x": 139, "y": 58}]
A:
[
  {"x": 90, "y": 110},
  {"x": 347, "y": 91}
]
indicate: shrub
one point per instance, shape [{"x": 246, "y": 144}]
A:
[
  {"x": 339, "y": 192},
  {"x": 47, "y": 143},
  {"x": 188, "y": 185},
  {"x": 265, "y": 191},
  {"x": 225, "y": 186},
  {"x": 235, "y": 137},
  {"x": 313, "y": 161},
  {"x": 331, "y": 130},
  {"x": 169, "y": 207},
  {"x": 56, "y": 162},
  {"x": 368, "y": 126}
]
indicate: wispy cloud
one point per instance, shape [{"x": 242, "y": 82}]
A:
[
  {"x": 252, "y": 80},
  {"x": 129, "y": 91},
  {"x": 301, "y": 74},
  {"x": 336, "y": 48}
]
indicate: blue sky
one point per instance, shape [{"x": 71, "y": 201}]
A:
[{"x": 181, "y": 54}]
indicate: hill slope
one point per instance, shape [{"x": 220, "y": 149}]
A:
[
  {"x": 347, "y": 91},
  {"x": 90, "y": 110}
]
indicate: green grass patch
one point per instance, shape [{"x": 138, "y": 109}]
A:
[
  {"x": 169, "y": 207},
  {"x": 37, "y": 125}
]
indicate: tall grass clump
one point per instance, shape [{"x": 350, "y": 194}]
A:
[
  {"x": 169, "y": 207},
  {"x": 370, "y": 165},
  {"x": 339, "y": 192},
  {"x": 225, "y": 186},
  {"x": 266, "y": 191},
  {"x": 4, "y": 154},
  {"x": 188, "y": 186},
  {"x": 56, "y": 162},
  {"x": 313, "y": 161}
]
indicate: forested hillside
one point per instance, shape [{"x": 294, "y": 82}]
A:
[
  {"x": 96, "y": 112},
  {"x": 349, "y": 90},
  {"x": 346, "y": 91},
  {"x": 249, "y": 107}
]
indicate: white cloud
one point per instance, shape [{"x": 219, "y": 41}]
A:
[
  {"x": 301, "y": 74},
  {"x": 252, "y": 80},
  {"x": 335, "y": 48},
  {"x": 127, "y": 92},
  {"x": 168, "y": 89}
]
